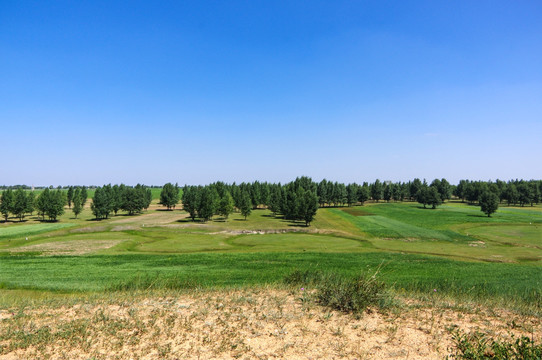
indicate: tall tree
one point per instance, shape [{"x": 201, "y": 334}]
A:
[
  {"x": 190, "y": 200},
  {"x": 169, "y": 196},
  {"x": 246, "y": 205},
  {"x": 308, "y": 207},
  {"x": 376, "y": 190},
  {"x": 84, "y": 196},
  {"x": 225, "y": 206},
  {"x": 489, "y": 203},
  {"x": 207, "y": 203},
  {"x": 6, "y": 204},
  {"x": 19, "y": 204},
  {"x": 69, "y": 196},
  {"x": 77, "y": 208}
]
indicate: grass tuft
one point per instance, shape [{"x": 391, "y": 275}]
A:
[
  {"x": 343, "y": 293},
  {"x": 477, "y": 346}
]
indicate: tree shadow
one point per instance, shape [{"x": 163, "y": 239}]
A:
[
  {"x": 189, "y": 220},
  {"x": 482, "y": 216}
]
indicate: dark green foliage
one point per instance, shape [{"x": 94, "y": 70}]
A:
[
  {"x": 6, "y": 203},
  {"x": 489, "y": 203},
  {"x": 69, "y": 196},
  {"x": 275, "y": 199},
  {"x": 245, "y": 205},
  {"x": 83, "y": 196},
  {"x": 101, "y": 205},
  {"x": 30, "y": 200},
  {"x": 429, "y": 195},
  {"x": 477, "y": 346},
  {"x": 352, "y": 193},
  {"x": 169, "y": 196},
  {"x": 525, "y": 193},
  {"x": 363, "y": 193},
  {"x": 134, "y": 200},
  {"x": 190, "y": 200},
  {"x": 377, "y": 190},
  {"x": 51, "y": 203},
  {"x": 225, "y": 206},
  {"x": 77, "y": 208},
  {"x": 308, "y": 206},
  {"x": 207, "y": 203},
  {"x": 19, "y": 204}
]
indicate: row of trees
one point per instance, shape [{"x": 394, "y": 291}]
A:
[
  {"x": 49, "y": 203},
  {"x": 108, "y": 199},
  {"x": 296, "y": 200}
]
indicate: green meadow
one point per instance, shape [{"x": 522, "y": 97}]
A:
[{"x": 454, "y": 250}]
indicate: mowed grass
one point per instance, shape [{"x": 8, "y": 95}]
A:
[{"x": 16, "y": 230}]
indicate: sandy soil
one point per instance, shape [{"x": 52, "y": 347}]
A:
[
  {"x": 72, "y": 247},
  {"x": 243, "y": 324}
]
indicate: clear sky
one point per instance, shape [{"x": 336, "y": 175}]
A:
[{"x": 95, "y": 92}]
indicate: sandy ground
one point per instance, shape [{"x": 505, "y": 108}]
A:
[
  {"x": 71, "y": 247},
  {"x": 244, "y": 324}
]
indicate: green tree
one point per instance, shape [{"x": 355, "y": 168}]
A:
[
  {"x": 489, "y": 203},
  {"x": 308, "y": 206},
  {"x": 275, "y": 199},
  {"x": 377, "y": 190},
  {"x": 6, "y": 204},
  {"x": 69, "y": 196},
  {"x": 84, "y": 196},
  {"x": 77, "y": 208},
  {"x": 246, "y": 205},
  {"x": 30, "y": 200},
  {"x": 133, "y": 200},
  {"x": 363, "y": 193},
  {"x": 206, "y": 208},
  {"x": 352, "y": 193},
  {"x": 190, "y": 200},
  {"x": 169, "y": 196},
  {"x": 19, "y": 204},
  {"x": 225, "y": 206},
  {"x": 101, "y": 205}
]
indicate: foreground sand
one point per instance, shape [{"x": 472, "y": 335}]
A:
[{"x": 243, "y": 324}]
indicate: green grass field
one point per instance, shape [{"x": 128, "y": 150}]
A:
[{"x": 454, "y": 249}]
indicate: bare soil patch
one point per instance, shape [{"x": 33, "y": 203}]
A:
[
  {"x": 72, "y": 247},
  {"x": 242, "y": 324}
]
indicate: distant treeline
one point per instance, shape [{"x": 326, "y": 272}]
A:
[{"x": 297, "y": 200}]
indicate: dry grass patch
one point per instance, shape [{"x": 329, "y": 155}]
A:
[{"x": 243, "y": 324}]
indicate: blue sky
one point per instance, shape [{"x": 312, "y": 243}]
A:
[{"x": 95, "y": 92}]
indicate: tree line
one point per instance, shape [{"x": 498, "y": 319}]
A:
[
  {"x": 50, "y": 203},
  {"x": 110, "y": 199},
  {"x": 298, "y": 200}
]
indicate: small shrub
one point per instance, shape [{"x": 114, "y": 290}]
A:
[
  {"x": 353, "y": 294},
  {"x": 344, "y": 293},
  {"x": 478, "y": 346}
]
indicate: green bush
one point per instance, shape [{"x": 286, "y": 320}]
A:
[
  {"x": 339, "y": 292},
  {"x": 478, "y": 346}
]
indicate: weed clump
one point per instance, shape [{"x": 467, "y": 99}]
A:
[
  {"x": 477, "y": 346},
  {"x": 347, "y": 294}
]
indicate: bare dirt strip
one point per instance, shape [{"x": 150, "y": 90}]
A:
[{"x": 243, "y": 324}]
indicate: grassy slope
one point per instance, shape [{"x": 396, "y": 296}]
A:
[{"x": 218, "y": 253}]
